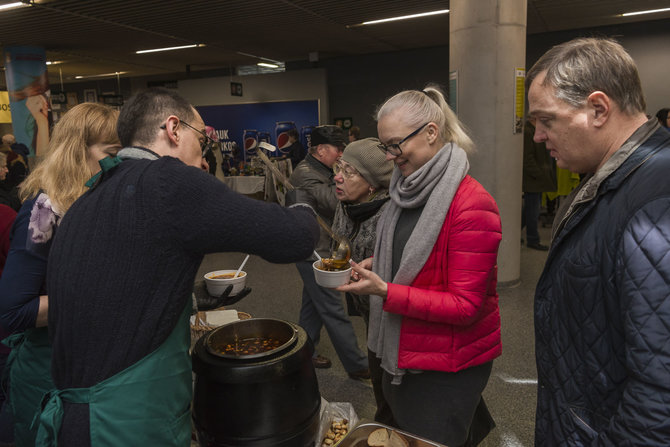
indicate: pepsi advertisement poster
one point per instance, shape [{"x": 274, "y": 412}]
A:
[{"x": 242, "y": 126}]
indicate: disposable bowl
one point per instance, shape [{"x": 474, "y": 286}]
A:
[
  {"x": 216, "y": 286},
  {"x": 330, "y": 280}
]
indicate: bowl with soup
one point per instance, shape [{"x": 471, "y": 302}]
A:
[
  {"x": 218, "y": 280},
  {"x": 330, "y": 273}
]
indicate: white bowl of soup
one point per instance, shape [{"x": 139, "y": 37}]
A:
[
  {"x": 218, "y": 280},
  {"x": 333, "y": 278}
]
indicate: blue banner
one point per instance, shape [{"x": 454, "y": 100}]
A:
[
  {"x": 28, "y": 88},
  {"x": 230, "y": 121}
]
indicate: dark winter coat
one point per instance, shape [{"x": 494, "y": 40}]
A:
[
  {"x": 539, "y": 169},
  {"x": 602, "y": 308}
]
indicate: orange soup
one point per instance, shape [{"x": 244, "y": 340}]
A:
[{"x": 227, "y": 275}]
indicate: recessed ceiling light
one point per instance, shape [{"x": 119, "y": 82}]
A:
[
  {"x": 102, "y": 75},
  {"x": 649, "y": 11},
  {"x": 13, "y": 5},
  {"x": 154, "y": 50},
  {"x": 265, "y": 64},
  {"x": 410, "y": 16}
]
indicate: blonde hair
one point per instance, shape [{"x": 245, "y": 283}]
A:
[
  {"x": 3, "y": 158},
  {"x": 63, "y": 172},
  {"x": 428, "y": 105}
]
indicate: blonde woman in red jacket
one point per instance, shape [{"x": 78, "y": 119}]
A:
[{"x": 434, "y": 317}]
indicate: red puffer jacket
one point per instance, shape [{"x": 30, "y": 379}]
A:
[{"x": 451, "y": 319}]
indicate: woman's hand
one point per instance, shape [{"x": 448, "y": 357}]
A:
[{"x": 368, "y": 282}]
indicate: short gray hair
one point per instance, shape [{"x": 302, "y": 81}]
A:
[{"x": 582, "y": 66}]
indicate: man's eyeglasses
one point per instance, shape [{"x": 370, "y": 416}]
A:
[
  {"x": 205, "y": 145},
  {"x": 394, "y": 149},
  {"x": 347, "y": 171}
]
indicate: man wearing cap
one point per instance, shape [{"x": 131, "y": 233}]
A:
[{"x": 320, "y": 306}]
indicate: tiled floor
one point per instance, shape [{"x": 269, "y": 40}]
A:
[{"x": 510, "y": 393}]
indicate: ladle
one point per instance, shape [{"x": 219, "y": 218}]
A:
[{"x": 341, "y": 247}]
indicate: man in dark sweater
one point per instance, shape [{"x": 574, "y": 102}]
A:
[{"x": 121, "y": 272}]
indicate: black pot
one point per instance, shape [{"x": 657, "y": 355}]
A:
[{"x": 259, "y": 400}]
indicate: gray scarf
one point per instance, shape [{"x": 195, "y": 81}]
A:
[{"x": 433, "y": 185}]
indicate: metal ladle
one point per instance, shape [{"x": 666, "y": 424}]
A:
[{"x": 340, "y": 247}]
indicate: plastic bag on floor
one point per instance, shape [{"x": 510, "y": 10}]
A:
[{"x": 337, "y": 419}]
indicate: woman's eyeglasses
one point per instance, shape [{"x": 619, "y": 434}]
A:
[
  {"x": 346, "y": 171},
  {"x": 394, "y": 149}
]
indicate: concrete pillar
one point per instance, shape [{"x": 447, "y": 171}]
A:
[{"x": 487, "y": 42}]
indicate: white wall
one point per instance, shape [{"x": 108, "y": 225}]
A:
[{"x": 288, "y": 86}]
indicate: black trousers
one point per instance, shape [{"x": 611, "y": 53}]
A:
[{"x": 441, "y": 406}]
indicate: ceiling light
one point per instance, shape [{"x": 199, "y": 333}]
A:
[
  {"x": 103, "y": 75},
  {"x": 650, "y": 11},
  {"x": 265, "y": 64},
  {"x": 272, "y": 61},
  {"x": 13, "y": 5},
  {"x": 154, "y": 50},
  {"x": 411, "y": 16}
]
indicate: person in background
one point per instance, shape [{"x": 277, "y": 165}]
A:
[
  {"x": 17, "y": 169},
  {"x": 208, "y": 156},
  {"x": 354, "y": 134},
  {"x": 7, "y": 216},
  {"x": 9, "y": 143},
  {"x": 602, "y": 308},
  {"x": 663, "y": 117},
  {"x": 539, "y": 175},
  {"x": 362, "y": 178},
  {"x": 434, "y": 317},
  {"x": 127, "y": 253},
  {"x": 320, "y": 306},
  {"x": 294, "y": 150},
  {"x": 85, "y": 135},
  {"x": 9, "y": 195}
]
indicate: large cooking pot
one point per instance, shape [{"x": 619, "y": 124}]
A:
[{"x": 257, "y": 399}]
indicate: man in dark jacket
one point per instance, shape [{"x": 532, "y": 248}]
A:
[
  {"x": 602, "y": 304},
  {"x": 321, "y": 306},
  {"x": 539, "y": 175}
]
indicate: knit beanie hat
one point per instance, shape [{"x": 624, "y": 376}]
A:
[{"x": 369, "y": 161}]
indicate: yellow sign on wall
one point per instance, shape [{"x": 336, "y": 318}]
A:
[
  {"x": 5, "y": 112},
  {"x": 519, "y": 99}
]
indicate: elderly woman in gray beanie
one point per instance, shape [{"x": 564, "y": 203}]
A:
[{"x": 362, "y": 177}]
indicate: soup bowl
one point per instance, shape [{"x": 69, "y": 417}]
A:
[
  {"x": 330, "y": 280},
  {"x": 218, "y": 280}
]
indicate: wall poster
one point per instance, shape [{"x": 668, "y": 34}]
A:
[
  {"x": 519, "y": 99},
  {"x": 231, "y": 121}
]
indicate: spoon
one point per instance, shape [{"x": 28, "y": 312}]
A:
[{"x": 241, "y": 266}]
